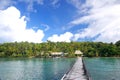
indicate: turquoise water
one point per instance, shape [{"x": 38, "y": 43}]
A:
[
  {"x": 103, "y": 68},
  {"x": 34, "y": 68}
]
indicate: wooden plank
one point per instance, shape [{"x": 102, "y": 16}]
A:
[{"x": 77, "y": 72}]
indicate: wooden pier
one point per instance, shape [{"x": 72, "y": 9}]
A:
[{"x": 77, "y": 72}]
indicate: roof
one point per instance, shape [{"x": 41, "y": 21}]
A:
[
  {"x": 56, "y": 53},
  {"x": 78, "y": 52}
]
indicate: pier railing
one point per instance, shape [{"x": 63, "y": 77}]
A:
[
  {"x": 88, "y": 77},
  {"x": 85, "y": 71}
]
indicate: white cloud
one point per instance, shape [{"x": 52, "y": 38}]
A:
[
  {"x": 47, "y": 27},
  {"x": 30, "y": 4},
  {"x": 55, "y": 3},
  {"x": 6, "y": 3},
  {"x": 102, "y": 17},
  {"x": 13, "y": 27},
  {"x": 76, "y": 3},
  {"x": 66, "y": 37},
  {"x": 44, "y": 27}
]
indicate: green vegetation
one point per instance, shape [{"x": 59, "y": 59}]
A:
[{"x": 89, "y": 49}]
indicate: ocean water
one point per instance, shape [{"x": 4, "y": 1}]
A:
[
  {"x": 103, "y": 68},
  {"x": 34, "y": 68}
]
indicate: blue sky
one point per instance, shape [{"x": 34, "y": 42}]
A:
[
  {"x": 54, "y": 15},
  {"x": 59, "y": 20}
]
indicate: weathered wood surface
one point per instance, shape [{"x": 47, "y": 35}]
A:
[{"x": 77, "y": 72}]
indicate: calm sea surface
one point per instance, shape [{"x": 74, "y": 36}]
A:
[
  {"x": 34, "y": 68},
  {"x": 103, "y": 68}
]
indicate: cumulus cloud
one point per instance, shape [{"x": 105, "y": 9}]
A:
[
  {"x": 103, "y": 19},
  {"x": 13, "y": 27},
  {"x": 66, "y": 37}
]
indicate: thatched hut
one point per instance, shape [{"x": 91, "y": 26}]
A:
[{"x": 78, "y": 53}]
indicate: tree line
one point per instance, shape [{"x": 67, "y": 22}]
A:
[{"x": 89, "y": 49}]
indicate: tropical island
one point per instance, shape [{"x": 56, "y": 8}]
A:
[{"x": 47, "y": 49}]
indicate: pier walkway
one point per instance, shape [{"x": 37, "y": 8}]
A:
[{"x": 77, "y": 72}]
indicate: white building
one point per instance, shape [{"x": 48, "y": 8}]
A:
[{"x": 57, "y": 53}]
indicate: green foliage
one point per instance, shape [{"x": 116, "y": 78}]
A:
[
  {"x": 89, "y": 49},
  {"x": 70, "y": 55},
  {"x": 117, "y": 43}
]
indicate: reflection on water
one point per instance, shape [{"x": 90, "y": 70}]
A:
[
  {"x": 34, "y": 69},
  {"x": 103, "y": 68}
]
